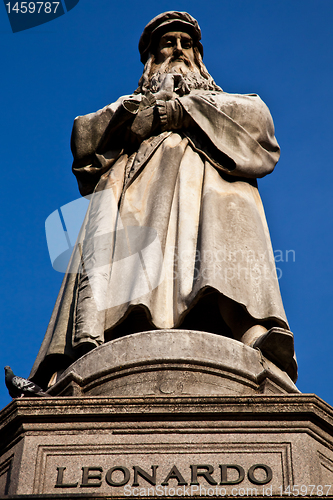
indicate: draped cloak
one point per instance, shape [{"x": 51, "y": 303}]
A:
[{"x": 193, "y": 195}]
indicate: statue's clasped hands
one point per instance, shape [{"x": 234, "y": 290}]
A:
[{"x": 153, "y": 111}]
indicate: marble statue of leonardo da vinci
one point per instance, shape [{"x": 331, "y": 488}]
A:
[{"x": 175, "y": 163}]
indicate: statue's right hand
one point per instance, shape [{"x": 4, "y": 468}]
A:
[
  {"x": 163, "y": 95},
  {"x": 166, "y": 88},
  {"x": 171, "y": 87},
  {"x": 167, "y": 83}
]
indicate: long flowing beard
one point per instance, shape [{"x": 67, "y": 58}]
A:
[
  {"x": 190, "y": 74},
  {"x": 192, "y": 79},
  {"x": 195, "y": 78}
]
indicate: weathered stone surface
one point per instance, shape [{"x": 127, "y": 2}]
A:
[
  {"x": 70, "y": 440},
  {"x": 173, "y": 362}
]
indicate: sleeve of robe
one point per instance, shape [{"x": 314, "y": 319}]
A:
[
  {"x": 98, "y": 140},
  {"x": 236, "y": 132}
]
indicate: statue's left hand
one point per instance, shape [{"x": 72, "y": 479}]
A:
[{"x": 145, "y": 122}]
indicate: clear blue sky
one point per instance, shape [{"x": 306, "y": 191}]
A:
[{"x": 86, "y": 59}]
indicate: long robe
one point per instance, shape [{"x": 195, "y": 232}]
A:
[{"x": 192, "y": 196}]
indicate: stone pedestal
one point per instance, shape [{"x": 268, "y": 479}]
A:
[
  {"x": 151, "y": 421},
  {"x": 118, "y": 447},
  {"x": 173, "y": 362}
]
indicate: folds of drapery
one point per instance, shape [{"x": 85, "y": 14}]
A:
[{"x": 196, "y": 191}]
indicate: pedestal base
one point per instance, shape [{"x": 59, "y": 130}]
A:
[{"x": 119, "y": 447}]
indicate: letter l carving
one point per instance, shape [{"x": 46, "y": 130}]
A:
[{"x": 60, "y": 480}]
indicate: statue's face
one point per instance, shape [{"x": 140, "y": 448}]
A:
[{"x": 178, "y": 46}]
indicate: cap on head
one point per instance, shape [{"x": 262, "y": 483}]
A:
[{"x": 163, "y": 23}]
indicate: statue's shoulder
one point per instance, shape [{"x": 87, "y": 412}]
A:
[
  {"x": 238, "y": 104},
  {"x": 88, "y": 129},
  {"x": 216, "y": 97},
  {"x": 103, "y": 113}
]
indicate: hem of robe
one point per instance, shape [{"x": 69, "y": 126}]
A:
[{"x": 56, "y": 361}]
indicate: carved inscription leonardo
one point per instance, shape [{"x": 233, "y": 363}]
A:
[{"x": 117, "y": 469}]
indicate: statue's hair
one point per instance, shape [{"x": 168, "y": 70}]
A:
[
  {"x": 206, "y": 83},
  {"x": 144, "y": 81}
]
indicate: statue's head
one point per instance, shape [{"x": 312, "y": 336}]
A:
[
  {"x": 165, "y": 23},
  {"x": 170, "y": 43}
]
